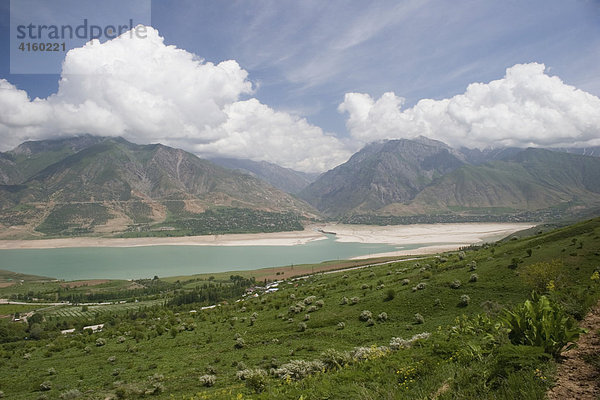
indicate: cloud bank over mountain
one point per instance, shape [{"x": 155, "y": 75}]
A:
[
  {"x": 525, "y": 108},
  {"x": 148, "y": 92}
]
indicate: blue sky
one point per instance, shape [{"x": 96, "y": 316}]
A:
[{"x": 304, "y": 56}]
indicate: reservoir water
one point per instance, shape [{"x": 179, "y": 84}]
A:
[{"x": 146, "y": 262}]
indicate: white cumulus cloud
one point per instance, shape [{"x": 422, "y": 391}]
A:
[
  {"x": 146, "y": 91},
  {"x": 526, "y": 107}
]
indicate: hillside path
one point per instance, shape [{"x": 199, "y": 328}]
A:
[{"x": 575, "y": 378}]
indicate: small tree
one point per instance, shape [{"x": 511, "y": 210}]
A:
[{"x": 389, "y": 295}]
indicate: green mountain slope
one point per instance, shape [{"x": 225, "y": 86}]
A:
[{"x": 533, "y": 179}]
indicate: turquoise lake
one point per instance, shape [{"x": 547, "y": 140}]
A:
[{"x": 146, "y": 262}]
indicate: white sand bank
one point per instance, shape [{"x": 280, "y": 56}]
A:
[{"x": 441, "y": 236}]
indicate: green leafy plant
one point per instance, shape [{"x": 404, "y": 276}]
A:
[{"x": 538, "y": 322}]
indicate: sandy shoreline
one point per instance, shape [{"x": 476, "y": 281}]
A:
[
  {"x": 249, "y": 239},
  {"x": 430, "y": 235},
  {"x": 455, "y": 234}
]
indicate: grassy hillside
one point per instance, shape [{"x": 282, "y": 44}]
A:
[{"x": 426, "y": 328}]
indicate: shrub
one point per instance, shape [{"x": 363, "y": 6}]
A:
[
  {"x": 112, "y": 359},
  {"x": 365, "y": 315},
  {"x": 405, "y": 282},
  {"x": 371, "y": 274},
  {"x": 256, "y": 379},
  {"x": 370, "y": 322},
  {"x": 364, "y": 286},
  {"x": 491, "y": 307},
  {"x": 539, "y": 275},
  {"x": 45, "y": 386},
  {"x": 472, "y": 265},
  {"x": 120, "y": 339},
  {"x": 382, "y": 317},
  {"x": 333, "y": 359},
  {"x": 461, "y": 255},
  {"x": 211, "y": 370},
  {"x": 239, "y": 365},
  {"x": 319, "y": 303},
  {"x": 100, "y": 342},
  {"x": 343, "y": 301},
  {"x": 354, "y": 300},
  {"x": 341, "y": 325},
  {"x": 464, "y": 300},
  {"x": 309, "y": 300},
  {"x": 389, "y": 295},
  {"x": 538, "y": 322},
  {"x": 301, "y": 327},
  {"x": 437, "y": 303},
  {"x": 311, "y": 309},
  {"x": 427, "y": 275},
  {"x": 299, "y": 369},
  {"x": 51, "y": 371},
  {"x": 473, "y": 278},
  {"x": 292, "y": 296},
  {"x": 71, "y": 394},
  {"x": 455, "y": 284},
  {"x": 306, "y": 317},
  {"x": 369, "y": 353},
  {"x": 514, "y": 263},
  {"x": 207, "y": 380},
  {"x": 419, "y": 319},
  {"x": 421, "y": 286},
  {"x": 398, "y": 343},
  {"x": 296, "y": 309},
  {"x": 239, "y": 343}
]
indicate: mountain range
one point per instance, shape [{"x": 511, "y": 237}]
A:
[
  {"x": 100, "y": 185},
  {"x": 286, "y": 179},
  {"x": 423, "y": 177},
  {"x": 92, "y": 184}
]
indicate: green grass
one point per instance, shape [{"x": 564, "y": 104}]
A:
[
  {"x": 74, "y": 219},
  {"x": 9, "y": 309},
  {"x": 95, "y": 310},
  {"x": 166, "y": 349}
]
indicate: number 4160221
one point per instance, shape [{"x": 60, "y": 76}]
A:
[{"x": 28, "y": 46}]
